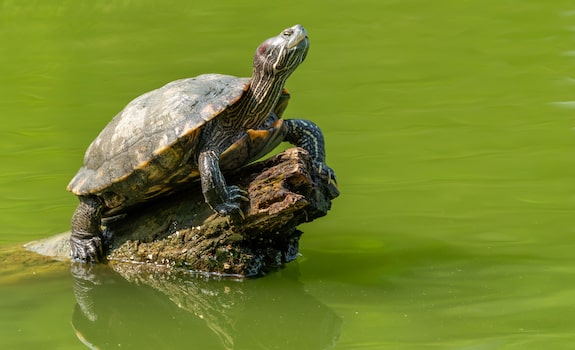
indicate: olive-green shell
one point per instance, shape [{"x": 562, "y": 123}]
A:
[{"x": 153, "y": 135}]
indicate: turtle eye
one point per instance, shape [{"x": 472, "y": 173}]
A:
[{"x": 287, "y": 33}]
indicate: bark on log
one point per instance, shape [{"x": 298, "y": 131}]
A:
[{"x": 181, "y": 231}]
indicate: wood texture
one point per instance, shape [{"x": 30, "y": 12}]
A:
[{"x": 181, "y": 231}]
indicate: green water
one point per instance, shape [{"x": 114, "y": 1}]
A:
[{"x": 450, "y": 126}]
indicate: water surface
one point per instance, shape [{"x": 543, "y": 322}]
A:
[{"x": 449, "y": 124}]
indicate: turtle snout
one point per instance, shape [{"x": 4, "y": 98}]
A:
[{"x": 295, "y": 35}]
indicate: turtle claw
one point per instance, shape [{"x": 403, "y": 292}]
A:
[
  {"x": 241, "y": 212},
  {"x": 228, "y": 209},
  {"x": 232, "y": 206},
  {"x": 328, "y": 173},
  {"x": 332, "y": 178},
  {"x": 236, "y": 193}
]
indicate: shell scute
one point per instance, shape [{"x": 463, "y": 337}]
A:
[{"x": 149, "y": 140}]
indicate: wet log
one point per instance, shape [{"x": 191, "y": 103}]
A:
[{"x": 182, "y": 232}]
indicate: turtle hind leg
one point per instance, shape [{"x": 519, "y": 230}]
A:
[
  {"x": 86, "y": 239},
  {"x": 307, "y": 135}
]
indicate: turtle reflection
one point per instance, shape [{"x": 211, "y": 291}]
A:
[{"x": 133, "y": 308}]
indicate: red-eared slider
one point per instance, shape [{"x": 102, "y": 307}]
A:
[{"x": 189, "y": 129}]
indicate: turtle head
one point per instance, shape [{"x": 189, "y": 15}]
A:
[{"x": 279, "y": 56}]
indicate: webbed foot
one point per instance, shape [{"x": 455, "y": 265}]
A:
[
  {"x": 86, "y": 239},
  {"x": 86, "y": 249}
]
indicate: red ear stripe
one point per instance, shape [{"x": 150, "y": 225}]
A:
[{"x": 262, "y": 48}]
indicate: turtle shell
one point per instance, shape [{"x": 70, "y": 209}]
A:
[{"x": 148, "y": 145}]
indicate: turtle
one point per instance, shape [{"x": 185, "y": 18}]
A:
[{"x": 188, "y": 130}]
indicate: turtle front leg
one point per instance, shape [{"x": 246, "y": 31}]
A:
[
  {"x": 223, "y": 199},
  {"x": 307, "y": 135},
  {"x": 86, "y": 238}
]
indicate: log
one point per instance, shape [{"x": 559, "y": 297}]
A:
[{"x": 182, "y": 232}]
